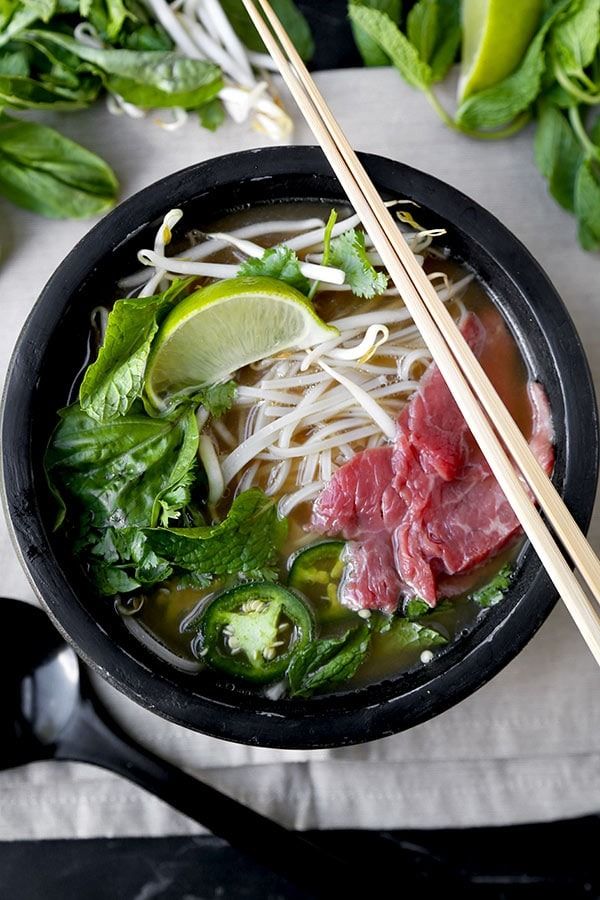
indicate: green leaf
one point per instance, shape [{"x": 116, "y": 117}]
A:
[
  {"x": 278, "y": 262},
  {"x": 243, "y": 543},
  {"x": 422, "y": 27},
  {"x": 7, "y": 9},
  {"x": 348, "y": 253},
  {"x": 587, "y": 204},
  {"x": 492, "y": 593},
  {"x": 575, "y": 36},
  {"x": 291, "y": 18},
  {"x": 43, "y": 9},
  {"x": 212, "y": 114},
  {"x": 406, "y": 633},
  {"x": 21, "y": 18},
  {"x": 14, "y": 63},
  {"x": 218, "y": 398},
  {"x": 107, "y": 16},
  {"x": 327, "y": 236},
  {"x": 114, "y": 474},
  {"x": 152, "y": 79},
  {"x": 447, "y": 40},
  {"x": 558, "y": 154},
  {"x": 371, "y": 52},
  {"x": 116, "y": 378},
  {"x": 382, "y": 30},
  {"x": 328, "y": 661},
  {"x": 415, "y": 608},
  {"x": 43, "y": 171},
  {"x": 502, "y": 103}
]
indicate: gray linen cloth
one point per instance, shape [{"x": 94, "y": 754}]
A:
[{"x": 524, "y": 747}]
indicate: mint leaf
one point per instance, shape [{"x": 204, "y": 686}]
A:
[
  {"x": 558, "y": 154},
  {"x": 245, "y": 542},
  {"x": 116, "y": 378},
  {"x": 434, "y": 28},
  {"x": 493, "y": 592},
  {"x": 328, "y": 661},
  {"x": 218, "y": 398},
  {"x": 502, "y": 103},
  {"x": 406, "y": 633},
  {"x": 278, "y": 262},
  {"x": 385, "y": 33},
  {"x": 371, "y": 52},
  {"x": 587, "y": 204},
  {"x": 349, "y": 254}
]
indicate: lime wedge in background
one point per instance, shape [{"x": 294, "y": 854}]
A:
[
  {"x": 496, "y": 34},
  {"x": 227, "y": 325}
]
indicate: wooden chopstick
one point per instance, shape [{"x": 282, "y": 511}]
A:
[{"x": 463, "y": 374}]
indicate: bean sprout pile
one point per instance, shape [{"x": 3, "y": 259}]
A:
[{"x": 298, "y": 416}]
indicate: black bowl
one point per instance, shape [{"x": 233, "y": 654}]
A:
[{"x": 50, "y": 350}]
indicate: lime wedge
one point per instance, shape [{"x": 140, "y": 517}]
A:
[
  {"x": 220, "y": 328},
  {"x": 496, "y": 34}
]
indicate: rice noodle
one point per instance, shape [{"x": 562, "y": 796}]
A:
[{"x": 290, "y": 501}]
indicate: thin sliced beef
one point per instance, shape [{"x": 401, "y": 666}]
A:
[{"x": 428, "y": 507}]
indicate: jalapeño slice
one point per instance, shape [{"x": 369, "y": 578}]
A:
[
  {"x": 317, "y": 572},
  {"x": 254, "y": 630}
]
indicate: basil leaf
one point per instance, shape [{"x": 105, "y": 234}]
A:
[
  {"x": 371, "y": 52},
  {"x": 382, "y": 30},
  {"x": 328, "y": 661},
  {"x": 45, "y": 172},
  {"x": 14, "y": 63},
  {"x": 278, "y": 262},
  {"x": 558, "y": 154},
  {"x": 107, "y": 16},
  {"x": 349, "y": 254},
  {"x": 587, "y": 204},
  {"x": 493, "y": 592},
  {"x": 21, "y": 18},
  {"x": 212, "y": 114},
  {"x": 502, "y": 103},
  {"x": 116, "y": 378},
  {"x": 7, "y": 9},
  {"x": 152, "y": 79},
  {"x": 291, "y": 18},
  {"x": 245, "y": 542},
  {"x": 575, "y": 36},
  {"x": 115, "y": 474}
]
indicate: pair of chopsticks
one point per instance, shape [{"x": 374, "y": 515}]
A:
[{"x": 471, "y": 388}]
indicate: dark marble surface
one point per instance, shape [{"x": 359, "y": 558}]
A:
[{"x": 557, "y": 861}]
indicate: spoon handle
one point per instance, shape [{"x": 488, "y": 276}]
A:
[{"x": 94, "y": 737}]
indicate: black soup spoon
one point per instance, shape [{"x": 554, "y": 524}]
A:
[{"x": 50, "y": 711}]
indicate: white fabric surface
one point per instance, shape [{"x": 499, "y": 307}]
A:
[{"x": 527, "y": 745}]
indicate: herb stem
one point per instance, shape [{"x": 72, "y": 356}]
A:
[
  {"x": 589, "y": 148},
  {"x": 572, "y": 89},
  {"x": 442, "y": 113}
]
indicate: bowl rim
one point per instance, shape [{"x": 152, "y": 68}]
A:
[{"x": 310, "y": 726}]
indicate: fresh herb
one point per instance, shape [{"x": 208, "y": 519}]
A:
[
  {"x": 329, "y": 661},
  {"x": 217, "y": 398},
  {"x": 493, "y": 592},
  {"x": 405, "y": 633},
  {"x": 47, "y": 173},
  {"x": 245, "y": 542},
  {"x": 212, "y": 114},
  {"x": 291, "y": 18},
  {"x": 370, "y": 50},
  {"x": 152, "y": 79},
  {"x": 415, "y": 608},
  {"x": 348, "y": 253},
  {"x": 116, "y": 378},
  {"x": 278, "y": 262},
  {"x": 556, "y": 82}
]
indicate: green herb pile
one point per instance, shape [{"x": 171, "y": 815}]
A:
[
  {"x": 557, "y": 85},
  {"x": 45, "y": 65}
]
